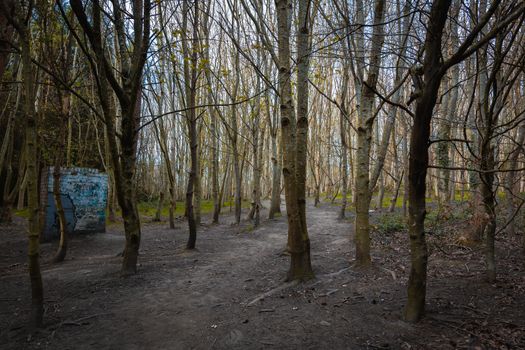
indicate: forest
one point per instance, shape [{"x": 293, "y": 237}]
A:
[{"x": 271, "y": 174}]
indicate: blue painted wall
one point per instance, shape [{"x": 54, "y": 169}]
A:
[{"x": 84, "y": 196}]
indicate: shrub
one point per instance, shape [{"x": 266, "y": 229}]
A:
[{"x": 390, "y": 223}]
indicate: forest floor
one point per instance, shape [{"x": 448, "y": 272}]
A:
[{"x": 207, "y": 298}]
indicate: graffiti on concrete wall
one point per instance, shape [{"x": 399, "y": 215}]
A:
[{"x": 84, "y": 193}]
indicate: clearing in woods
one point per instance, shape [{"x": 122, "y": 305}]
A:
[{"x": 230, "y": 293}]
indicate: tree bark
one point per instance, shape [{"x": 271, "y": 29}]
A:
[
  {"x": 62, "y": 246},
  {"x": 343, "y": 115},
  {"x": 301, "y": 263},
  {"x": 21, "y": 25},
  {"x": 214, "y": 132},
  {"x": 298, "y": 242},
  {"x": 160, "y": 204},
  {"x": 511, "y": 186},
  {"x": 432, "y": 74},
  {"x": 128, "y": 91},
  {"x": 364, "y": 139},
  {"x": 444, "y": 129},
  {"x": 190, "y": 74},
  {"x": 256, "y": 192},
  {"x": 8, "y": 189},
  {"x": 275, "y": 204}
]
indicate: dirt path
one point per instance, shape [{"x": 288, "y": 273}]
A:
[{"x": 198, "y": 299}]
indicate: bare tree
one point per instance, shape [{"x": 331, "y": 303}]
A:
[
  {"x": 427, "y": 79},
  {"x": 127, "y": 88}
]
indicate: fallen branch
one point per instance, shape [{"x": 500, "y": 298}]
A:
[
  {"x": 78, "y": 322},
  {"x": 266, "y": 342},
  {"x": 328, "y": 293},
  {"x": 392, "y": 273},
  {"x": 266, "y": 310},
  {"x": 273, "y": 291},
  {"x": 328, "y": 275}
]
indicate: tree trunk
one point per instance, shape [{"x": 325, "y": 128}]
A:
[
  {"x": 62, "y": 246},
  {"x": 343, "y": 115},
  {"x": 393, "y": 200},
  {"x": 298, "y": 243},
  {"x": 381, "y": 194},
  {"x": 128, "y": 88},
  {"x": 301, "y": 267},
  {"x": 214, "y": 134},
  {"x": 237, "y": 199},
  {"x": 444, "y": 130},
  {"x": 235, "y": 146},
  {"x": 31, "y": 148},
  {"x": 275, "y": 204},
  {"x": 418, "y": 163},
  {"x": 364, "y": 139},
  {"x": 125, "y": 186},
  {"x": 256, "y": 193},
  {"x": 7, "y": 151},
  {"x": 190, "y": 64},
  {"x": 489, "y": 205},
  {"x": 6, "y": 159},
  {"x": 492, "y": 105},
  {"x": 162, "y": 138},
  {"x": 6, "y": 33},
  {"x": 511, "y": 186},
  {"x": 160, "y": 204},
  {"x": 109, "y": 170},
  {"x": 197, "y": 185},
  {"x": 215, "y": 169}
]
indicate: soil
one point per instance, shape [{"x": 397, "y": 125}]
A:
[{"x": 210, "y": 298}]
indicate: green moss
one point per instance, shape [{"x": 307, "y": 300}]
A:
[
  {"x": 23, "y": 213},
  {"x": 387, "y": 200},
  {"x": 149, "y": 209},
  {"x": 249, "y": 228},
  {"x": 244, "y": 204},
  {"x": 457, "y": 196},
  {"x": 206, "y": 206}
]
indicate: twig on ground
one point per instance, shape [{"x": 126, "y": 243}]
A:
[
  {"x": 392, "y": 273},
  {"x": 328, "y": 275},
  {"x": 265, "y": 342},
  {"x": 266, "y": 310},
  {"x": 272, "y": 291},
  {"x": 78, "y": 322}
]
